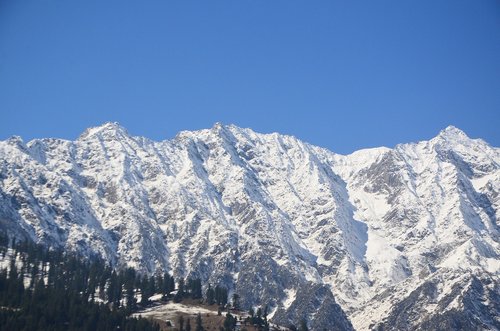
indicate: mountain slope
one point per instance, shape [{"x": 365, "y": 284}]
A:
[{"x": 277, "y": 220}]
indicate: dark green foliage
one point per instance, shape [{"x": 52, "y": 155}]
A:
[
  {"x": 199, "y": 323},
  {"x": 181, "y": 291},
  {"x": 129, "y": 285},
  {"x": 229, "y": 322},
  {"x": 167, "y": 285},
  {"x": 4, "y": 243},
  {"x": 236, "y": 301},
  {"x": 210, "y": 295},
  {"x": 190, "y": 290},
  {"x": 220, "y": 295},
  {"x": 62, "y": 291},
  {"x": 181, "y": 323},
  {"x": 258, "y": 318},
  {"x": 251, "y": 313},
  {"x": 148, "y": 288},
  {"x": 194, "y": 288}
]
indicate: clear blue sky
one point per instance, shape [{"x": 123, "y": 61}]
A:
[{"x": 340, "y": 74}]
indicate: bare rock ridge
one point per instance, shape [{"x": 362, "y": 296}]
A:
[{"x": 385, "y": 239}]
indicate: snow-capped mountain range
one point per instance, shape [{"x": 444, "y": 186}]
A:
[{"x": 394, "y": 239}]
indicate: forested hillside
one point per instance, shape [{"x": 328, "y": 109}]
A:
[{"x": 50, "y": 290}]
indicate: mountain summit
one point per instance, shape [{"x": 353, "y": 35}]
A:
[{"x": 393, "y": 239}]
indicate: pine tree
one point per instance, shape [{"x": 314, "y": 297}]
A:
[
  {"x": 236, "y": 301},
  {"x": 196, "y": 289},
  {"x": 152, "y": 286},
  {"x": 229, "y": 322},
  {"x": 199, "y": 323},
  {"x": 266, "y": 323},
  {"x": 210, "y": 295},
  {"x": 64, "y": 303},
  {"x": 171, "y": 285},
  {"x": 180, "y": 291},
  {"x": 168, "y": 285},
  {"x": 129, "y": 281},
  {"x": 145, "y": 291},
  {"x": 181, "y": 287},
  {"x": 220, "y": 295},
  {"x": 224, "y": 296},
  {"x": 251, "y": 312},
  {"x": 181, "y": 323}
]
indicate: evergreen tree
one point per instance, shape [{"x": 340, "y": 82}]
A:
[
  {"x": 266, "y": 323},
  {"x": 229, "y": 322},
  {"x": 145, "y": 291},
  {"x": 217, "y": 292},
  {"x": 180, "y": 291},
  {"x": 220, "y": 295},
  {"x": 152, "y": 286},
  {"x": 65, "y": 301},
  {"x": 210, "y": 295},
  {"x": 196, "y": 289},
  {"x": 224, "y": 297},
  {"x": 236, "y": 301},
  {"x": 199, "y": 323},
  {"x": 129, "y": 281},
  {"x": 181, "y": 323},
  {"x": 251, "y": 312},
  {"x": 167, "y": 285},
  {"x": 171, "y": 285},
  {"x": 4, "y": 241}
]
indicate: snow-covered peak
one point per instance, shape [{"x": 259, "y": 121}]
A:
[
  {"x": 274, "y": 219},
  {"x": 108, "y": 129},
  {"x": 452, "y": 131},
  {"x": 451, "y": 136},
  {"x": 14, "y": 140},
  {"x": 218, "y": 126}
]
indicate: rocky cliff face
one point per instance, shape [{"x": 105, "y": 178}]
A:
[{"x": 403, "y": 238}]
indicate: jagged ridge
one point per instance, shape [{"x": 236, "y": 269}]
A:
[{"x": 279, "y": 221}]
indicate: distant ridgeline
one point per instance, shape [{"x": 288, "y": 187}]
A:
[{"x": 42, "y": 289}]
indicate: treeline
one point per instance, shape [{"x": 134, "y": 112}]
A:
[
  {"x": 49, "y": 290},
  {"x": 217, "y": 295},
  {"x": 258, "y": 318},
  {"x": 45, "y": 289}
]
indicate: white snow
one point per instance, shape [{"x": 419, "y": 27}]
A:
[
  {"x": 290, "y": 297},
  {"x": 170, "y": 310},
  {"x": 202, "y": 203}
]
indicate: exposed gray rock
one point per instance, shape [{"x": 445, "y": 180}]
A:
[{"x": 384, "y": 235}]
